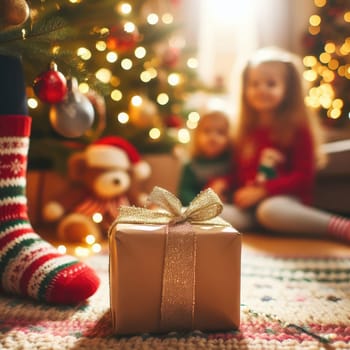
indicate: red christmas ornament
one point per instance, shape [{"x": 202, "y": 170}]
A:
[
  {"x": 171, "y": 57},
  {"x": 51, "y": 86},
  {"x": 174, "y": 121},
  {"x": 122, "y": 37}
]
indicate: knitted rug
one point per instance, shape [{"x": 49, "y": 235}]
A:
[{"x": 287, "y": 303}]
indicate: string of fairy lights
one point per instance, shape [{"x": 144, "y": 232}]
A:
[
  {"x": 90, "y": 244},
  {"x": 321, "y": 70},
  {"x": 324, "y": 69},
  {"x": 150, "y": 72}
]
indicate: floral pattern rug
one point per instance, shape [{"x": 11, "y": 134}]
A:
[{"x": 287, "y": 303}]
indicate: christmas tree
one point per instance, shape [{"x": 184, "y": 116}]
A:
[
  {"x": 327, "y": 46},
  {"x": 128, "y": 57}
]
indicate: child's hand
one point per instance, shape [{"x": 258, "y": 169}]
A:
[
  {"x": 249, "y": 196},
  {"x": 220, "y": 187}
]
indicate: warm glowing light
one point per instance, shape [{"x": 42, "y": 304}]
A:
[
  {"x": 162, "y": 99},
  {"x": 97, "y": 218},
  {"x": 314, "y": 30},
  {"x": 116, "y": 95},
  {"x": 334, "y": 113},
  {"x": 345, "y": 49},
  {"x": 104, "y": 31},
  {"x": 96, "y": 248},
  {"x": 174, "y": 79},
  {"x": 84, "y": 88},
  {"x": 312, "y": 102},
  {"x": 194, "y": 117},
  {"x": 140, "y": 52},
  {"x": 154, "y": 133},
  {"x": 126, "y": 64},
  {"x": 191, "y": 124},
  {"x": 320, "y": 3},
  {"x": 56, "y": 49},
  {"x": 125, "y": 8},
  {"x": 338, "y": 103},
  {"x": 347, "y": 16},
  {"x": 325, "y": 102},
  {"x": 111, "y": 57},
  {"x": 315, "y": 20},
  {"x": 101, "y": 46},
  {"x": 84, "y": 53},
  {"x": 309, "y": 61},
  {"x": 32, "y": 103},
  {"x": 216, "y": 103},
  {"x": 152, "y": 19},
  {"x": 129, "y": 27},
  {"x": 145, "y": 76},
  {"x": 325, "y": 57},
  {"x": 104, "y": 75},
  {"x": 328, "y": 76},
  {"x": 184, "y": 136},
  {"x": 123, "y": 118},
  {"x": 341, "y": 71},
  {"x": 192, "y": 63},
  {"x": 347, "y": 72},
  {"x": 62, "y": 249},
  {"x": 90, "y": 239},
  {"x": 136, "y": 101},
  {"x": 177, "y": 41},
  {"x": 81, "y": 251},
  {"x": 310, "y": 75},
  {"x": 330, "y": 47},
  {"x": 333, "y": 64},
  {"x": 115, "y": 81},
  {"x": 153, "y": 72},
  {"x": 167, "y": 18},
  {"x": 224, "y": 12}
]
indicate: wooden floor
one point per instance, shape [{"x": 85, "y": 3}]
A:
[
  {"x": 267, "y": 244},
  {"x": 291, "y": 246}
]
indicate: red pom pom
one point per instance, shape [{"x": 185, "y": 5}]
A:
[{"x": 51, "y": 86}]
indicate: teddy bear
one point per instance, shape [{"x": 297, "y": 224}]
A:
[
  {"x": 102, "y": 177},
  {"x": 269, "y": 160}
]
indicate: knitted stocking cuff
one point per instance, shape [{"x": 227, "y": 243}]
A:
[{"x": 15, "y": 126}]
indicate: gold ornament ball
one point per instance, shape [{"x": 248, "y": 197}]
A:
[{"x": 13, "y": 12}]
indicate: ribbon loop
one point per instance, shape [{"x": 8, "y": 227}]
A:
[
  {"x": 205, "y": 206},
  {"x": 203, "y": 210},
  {"x": 166, "y": 200}
]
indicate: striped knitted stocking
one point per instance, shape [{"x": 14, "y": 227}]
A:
[
  {"x": 30, "y": 266},
  {"x": 339, "y": 227}
]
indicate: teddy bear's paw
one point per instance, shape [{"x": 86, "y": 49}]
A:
[
  {"x": 52, "y": 211},
  {"x": 76, "y": 227}
]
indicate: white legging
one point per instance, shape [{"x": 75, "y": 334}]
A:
[{"x": 282, "y": 214}]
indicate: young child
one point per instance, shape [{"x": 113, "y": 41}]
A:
[
  {"x": 277, "y": 142},
  {"x": 210, "y": 157},
  {"x": 29, "y": 266}
]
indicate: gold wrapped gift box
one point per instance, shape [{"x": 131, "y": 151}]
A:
[{"x": 137, "y": 255}]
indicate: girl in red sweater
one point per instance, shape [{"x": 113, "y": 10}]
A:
[{"x": 277, "y": 153}]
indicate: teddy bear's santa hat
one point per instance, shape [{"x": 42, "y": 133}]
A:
[{"x": 116, "y": 152}]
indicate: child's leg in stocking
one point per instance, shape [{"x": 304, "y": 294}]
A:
[
  {"x": 29, "y": 266},
  {"x": 287, "y": 215},
  {"x": 241, "y": 220}
]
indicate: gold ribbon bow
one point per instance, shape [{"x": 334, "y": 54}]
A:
[
  {"x": 203, "y": 210},
  {"x": 178, "y": 283}
]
